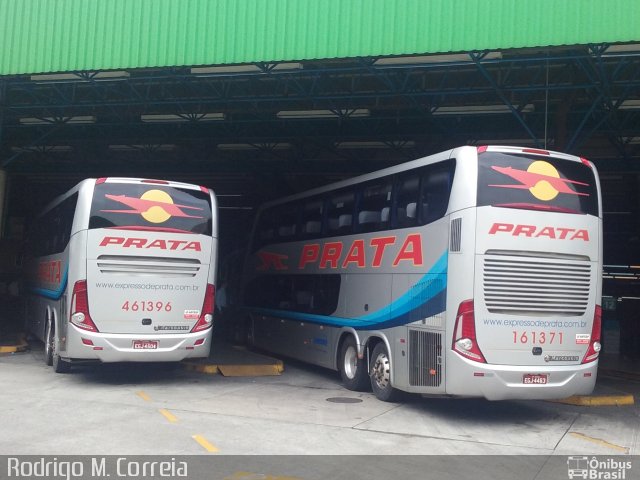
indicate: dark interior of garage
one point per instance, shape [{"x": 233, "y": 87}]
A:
[{"x": 258, "y": 130}]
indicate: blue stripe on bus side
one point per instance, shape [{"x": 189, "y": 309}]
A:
[
  {"x": 426, "y": 298},
  {"x": 53, "y": 294}
]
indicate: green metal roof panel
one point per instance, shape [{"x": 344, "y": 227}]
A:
[{"x": 69, "y": 35}]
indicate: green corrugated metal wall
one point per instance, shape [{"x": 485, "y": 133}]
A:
[{"x": 61, "y": 35}]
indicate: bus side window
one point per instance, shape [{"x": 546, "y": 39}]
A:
[
  {"x": 407, "y": 192},
  {"x": 340, "y": 214},
  {"x": 311, "y": 220},
  {"x": 436, "y": 189},
  {"x": 286, "y": 218},
  {"x": 266, "y": 229},
  {"x": 374, "y": 207}
]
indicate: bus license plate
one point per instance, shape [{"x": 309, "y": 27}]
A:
[
  {"x": 535, "y": 379},
  {"x": 145, "y": 344}
]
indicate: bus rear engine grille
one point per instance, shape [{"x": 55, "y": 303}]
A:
[
  {"x": 425, "y": 358},
  {"x": 526, "y": 285},
  {"x": 148, "y": 266}
]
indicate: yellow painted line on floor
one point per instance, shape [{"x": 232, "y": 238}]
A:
[
  {"x": 204, "y": 443},
  {"x": 251, "y": 370},
  {"x": 597, "y": 400},
  {"x": 599, "y": 441},
  {"x": 143, "y": 396},
  {"x": 168, "y": 415},
  {"x": 201, "y": 368}
]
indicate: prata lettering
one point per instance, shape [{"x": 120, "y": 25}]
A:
[
  {"x": 532, "y": 231},
  {"x": 334, "y": 255},
  {"x": 160, "y": 244}
]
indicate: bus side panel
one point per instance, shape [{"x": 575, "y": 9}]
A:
[
  {"x": 77, "y": 268},
  {"x": 417, "y": 347},
  {"x": 48, "y": 280},
  {"x": 365, "y": 293},
  {"x": 461, "y": 286}
]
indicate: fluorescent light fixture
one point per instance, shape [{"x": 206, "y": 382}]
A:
[
  {"x": 629, "y": 105},
  {"x": 78, "y": 120},
  {"x": 182, "y": 117},
  {"x": 430, "y": 59},
  {"x": 254, "y": 146},
  {"x": 622, "y": 50},
  {"x": 246, "y": 68},
  {"x": 355, "y": 112},
  {"x": 393, "y": 144},
  {"x": 80, "y": 77},
  {"x": 43, "y": 148},
  {"x": 479, "y": 109},
  {"x": 165, "y": 147}
]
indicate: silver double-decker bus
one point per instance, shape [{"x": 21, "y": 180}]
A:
[
  {"x": 473, "y": 272},
  {"x": 123, "y": 269}
]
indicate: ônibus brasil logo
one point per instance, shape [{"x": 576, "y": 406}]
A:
[
  {"x": 155, "y": 206},
  {"x": 541, "y": 179},
  {"x": 597, "y": 469}
]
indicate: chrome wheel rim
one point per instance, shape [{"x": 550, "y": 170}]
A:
[
  {"x": 350, "y": 362},
  {"x": 48, "y": 346},
  {"x": 381, "y": 371}
]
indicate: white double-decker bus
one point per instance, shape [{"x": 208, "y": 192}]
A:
[
  {"x": 123, "y": 269},
  {"x": 474, "y": 272}
]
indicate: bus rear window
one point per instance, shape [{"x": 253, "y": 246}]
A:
[
  {"x": 534, "y": 183},
  {"x": 147, "y": 207}
]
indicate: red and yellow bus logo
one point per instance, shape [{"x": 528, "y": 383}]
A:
[
  {"x": 155, "y": 206},
  {"x": 541, "y": 179}
]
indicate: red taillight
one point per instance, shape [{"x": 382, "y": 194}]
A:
[
  {"x": 101, "y": 180},
  {"x": 464, "y": 333},
  {"x": 206, "y": 315},
  {"x": 535, "y": 151},
  {"x": 482, "y": 148},
  {"x": 80, "y": 307},
  {"x": 594, "y": 345},
  {"x": 156, "y": 182}
]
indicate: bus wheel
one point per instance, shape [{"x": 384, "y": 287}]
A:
[
  {"x": 380, "y": 374},
  {"x": 353, "y": 370},
  {"x": 59, "y": 365},
  {"x": 49, "y": 339}
]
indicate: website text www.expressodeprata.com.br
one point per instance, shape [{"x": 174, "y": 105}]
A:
[
  {"x": 535, "y": 323},
  {"x": 148, "y": 286}
]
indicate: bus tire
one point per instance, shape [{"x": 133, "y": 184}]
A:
[
  {"x": 353, "y": 370},
  {"x": 49, "y": 340},
  {"x": 380, "y": 374},
  {"x": 59, "y": 365}
]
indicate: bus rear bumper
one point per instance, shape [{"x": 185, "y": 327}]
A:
[
  {"x": 507, "y": 382},
  {"x": 108, "y": 348}
]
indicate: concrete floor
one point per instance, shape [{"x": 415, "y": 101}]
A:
[{"x": 155, "y": 409}]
